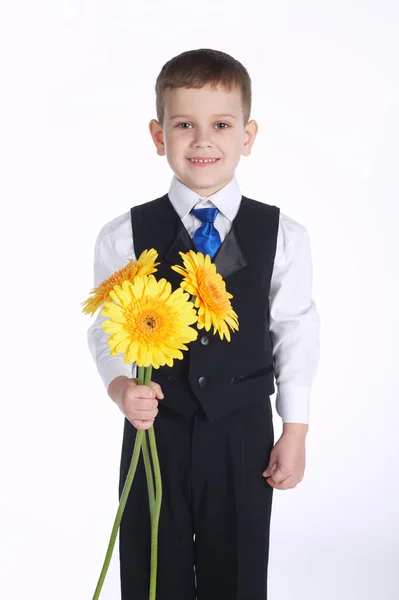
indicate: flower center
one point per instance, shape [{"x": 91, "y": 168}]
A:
[
  {"x": 212, "y": 290},
  {"x": 149, "y": 322},
  {"x": 212, "y": 293}
]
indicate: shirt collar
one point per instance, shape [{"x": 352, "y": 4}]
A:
[{"x": 183, "y": 198}]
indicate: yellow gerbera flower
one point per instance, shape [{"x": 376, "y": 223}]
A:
[
  {"x": 144, "y": 265},
  {"x": 212, "y": 299},
  {"x": 148, "y": 322}
]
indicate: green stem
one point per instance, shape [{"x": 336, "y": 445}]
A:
[
  {"x": 157, "y": 507},
  {"x": 141, "y": 375},
  {"x": 148, "y": 470},
  {"x": 118, "y": 518}
]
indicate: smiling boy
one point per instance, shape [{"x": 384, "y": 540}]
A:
[{"x": 211, "y": 411}]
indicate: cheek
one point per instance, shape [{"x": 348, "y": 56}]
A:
[
  {"x": 231, "y": 140},
  {"x": 174, "y": 144}
]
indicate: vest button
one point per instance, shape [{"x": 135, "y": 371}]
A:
[
  {"x": 204, "y": 340},
  {"x": 202, "y": 381}
]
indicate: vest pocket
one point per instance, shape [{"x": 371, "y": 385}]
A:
[{"x": 253, "y": 375}]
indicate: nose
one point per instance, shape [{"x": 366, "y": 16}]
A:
[{"x": 202, "y": 139}]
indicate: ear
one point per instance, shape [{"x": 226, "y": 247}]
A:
[
  {"x": 157, "y": 136},
  {"x": 251, "y": 130}
]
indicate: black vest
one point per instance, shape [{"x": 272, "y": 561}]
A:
[{"x": 218, "y": 375}]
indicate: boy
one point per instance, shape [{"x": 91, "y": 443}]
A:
[{"x": 211, "y": 411}]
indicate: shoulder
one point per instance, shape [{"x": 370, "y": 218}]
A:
[
  {"x": 291, "y": 233},
  {"x": 149, "y": 209},
  {"x": 259, "y": 207},
  {"x": 116, "y": 234},
  {"x": 114, "y": 226},
  {"x": 261, "y": 215},
  {"x": 290, "y": 227}
]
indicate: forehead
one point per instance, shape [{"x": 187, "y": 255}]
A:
[{"x": 205, "y": 101}]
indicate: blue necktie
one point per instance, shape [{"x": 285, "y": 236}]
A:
[{"x": 206, "y": 237}]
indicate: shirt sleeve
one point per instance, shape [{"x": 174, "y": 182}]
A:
[
  {"x": 113, "y": 250},
  {"x": 294, "y": 322}
]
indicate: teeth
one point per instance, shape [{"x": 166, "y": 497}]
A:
[{"x": 203, "y": 161}]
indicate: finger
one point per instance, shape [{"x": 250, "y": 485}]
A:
[
  {"x": 272, "y": 466},
  {"x": 267, "y": 472},
  {"x": 144, "y": 404},
  {"x": 140, "y": 424},
  {"x": 157, "y": 389},
  {"x": 270, "y": 482},
  {"x": 278, "y": 476},
  {"x": 142, "y": 427},
  {"x": 274, "y": 484},
  {"x": 143, "y": 415},
  {"x": 286, "y": 485},
  {"x": 145, "y": 391}
]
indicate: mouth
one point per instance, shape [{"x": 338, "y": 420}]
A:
[{"x": 206, "y": 162}]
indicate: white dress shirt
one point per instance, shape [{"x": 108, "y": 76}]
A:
[{"x": 294, "y": 319}]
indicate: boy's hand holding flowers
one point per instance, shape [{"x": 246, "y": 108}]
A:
[{"x": 139, "y": 403}]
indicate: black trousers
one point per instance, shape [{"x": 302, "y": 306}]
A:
[{"x": 212, "y": 486}]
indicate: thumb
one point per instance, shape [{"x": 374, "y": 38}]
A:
[
  {"x": 277, "y": 474},
  {"x": 270, "y": 469}
]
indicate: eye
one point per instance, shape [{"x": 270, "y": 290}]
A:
[{"x": 185, "y": 123}]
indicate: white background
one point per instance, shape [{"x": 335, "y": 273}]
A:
[{"x": 77, "y": 94}]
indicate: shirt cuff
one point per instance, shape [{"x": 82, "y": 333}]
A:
[
  {"x": 292, "y": 403},
  {"x": 115, "y": 368}
]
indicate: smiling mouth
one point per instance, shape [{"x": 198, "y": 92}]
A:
[{"x": 203, "y": 162}]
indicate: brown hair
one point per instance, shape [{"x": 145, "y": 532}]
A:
[{"x": 196, "y": 68}]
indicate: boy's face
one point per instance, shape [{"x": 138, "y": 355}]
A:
[{"x": 193, "y": 128}]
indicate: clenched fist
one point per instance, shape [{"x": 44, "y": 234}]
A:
[{"x": 139, "y": 403}]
